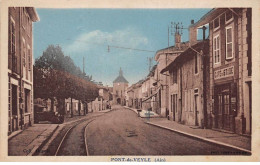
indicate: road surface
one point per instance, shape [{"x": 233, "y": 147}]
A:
[{"x": 121, "y": 132}]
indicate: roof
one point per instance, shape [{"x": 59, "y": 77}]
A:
[
  {"x": 172, "y": 49},
  {"x": 120, "y": 79},
  {"x": 102, "y": 87},
  {"x": 33, "y": 14},
  {"x": 200, "y": 46},
  {"x": 211, "y": 15},
  {"x": 151, "y": 73}
]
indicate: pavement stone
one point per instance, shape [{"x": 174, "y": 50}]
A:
[{"x": 29, "y": 140}]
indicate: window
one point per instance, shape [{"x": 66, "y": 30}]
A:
[
  {"x": 174, "y": 76},
  {"x": 216, "y": 23},
  {"x": 27, "y": 100},
  {"x": 29, "y": 59},
  {"x": 24, "y": 53},
  {"x": 216, "y": 49},
  {"x": 174, "y": 103},
  {"x": 229, "y": 43},
  {"x": 23, "y": 18},
  {"x": 13, "y": 57},
  {"x": 228, "y": 16},
  {"x": 28, "y": 24},
  {"x": 196, "y": 64}
]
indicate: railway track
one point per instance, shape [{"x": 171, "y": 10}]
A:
[{"x": 66, "y": 135}]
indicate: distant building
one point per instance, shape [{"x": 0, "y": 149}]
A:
[
  {"x": 120, "y": 85},
  {"x": 74, "y": 107},
  {"x": 20, "y": 67},
  {"x": 103, "y": 101}
]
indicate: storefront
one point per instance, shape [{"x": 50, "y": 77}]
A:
[{"x": 225, "y": 97}]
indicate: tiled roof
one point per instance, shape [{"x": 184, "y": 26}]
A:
[{"x": 121, "y": 79}]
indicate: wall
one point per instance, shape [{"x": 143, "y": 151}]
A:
[{"x": 119, "y": 92}]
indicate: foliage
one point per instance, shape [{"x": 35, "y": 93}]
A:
[{"x": 56, "y": 76}]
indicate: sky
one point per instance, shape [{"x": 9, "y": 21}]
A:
[{"x": 88, "y": 33}]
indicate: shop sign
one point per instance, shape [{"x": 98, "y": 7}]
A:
[{"x": 223, "y": 73}]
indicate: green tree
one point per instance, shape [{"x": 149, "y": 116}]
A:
[{"x": 56, "y": 76}]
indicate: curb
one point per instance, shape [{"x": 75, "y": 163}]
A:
[
  {"x": 14, "y": 134},
  {"x": 144, "y": 117},
  {"x": 201, "y": 138},
  {"x": 35, "y": 148}
]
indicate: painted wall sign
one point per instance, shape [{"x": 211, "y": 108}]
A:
[{"x": 225, "y": 72}]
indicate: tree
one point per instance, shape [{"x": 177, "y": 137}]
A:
[{"x": 56, "y": 76}]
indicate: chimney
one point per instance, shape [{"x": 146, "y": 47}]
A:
[
  {"x": 177, "y": 40},
  {"x": 192, "y": 33}
]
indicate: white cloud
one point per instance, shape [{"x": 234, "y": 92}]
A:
[{"x": 129, "y": 37}]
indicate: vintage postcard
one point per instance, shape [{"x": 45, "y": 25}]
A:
[{"x": 129, "y": 81}]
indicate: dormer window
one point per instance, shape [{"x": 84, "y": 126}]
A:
[{"x": 216, "y": 23}]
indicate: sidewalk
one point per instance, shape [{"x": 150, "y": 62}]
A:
[
  {"x": 30, "y": 139},
  {"x": 222, "y": 138},
  {"x": 26, "y": 142},
  {"x": 145, "y": 113}
]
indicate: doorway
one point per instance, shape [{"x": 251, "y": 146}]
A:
[
  {"x": 224, "y": 115},
  {"x": 196, "y": 102},
  {"x": 14, "y": 108},
  {"x": 173, "y": 105},
  {"x": 118, "y": 101}
]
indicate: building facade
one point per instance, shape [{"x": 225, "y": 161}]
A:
[
  {"x": 229, "y": 107},
  {"x": 20, "y": 67},
  {"x": 188, "y": 90},
  {"x": 164, "y": 57},
  {"x": 120, "y": 85},
  {"x": 74, "y": 107}
]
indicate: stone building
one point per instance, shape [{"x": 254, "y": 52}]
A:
[
  {"x": 74, "y": 107},
  {"x": 188, "y": 88},
  {"x": 230, "y": 36},
  {"x": 120, "y": 85},
  {"x": 20, "y": 67},
  {"x": 164, "y": 57}
]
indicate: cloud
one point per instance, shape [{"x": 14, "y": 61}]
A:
[{"x": 90, "y": 41}]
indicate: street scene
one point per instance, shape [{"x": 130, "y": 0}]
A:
[{"x": 107, "y": 82}]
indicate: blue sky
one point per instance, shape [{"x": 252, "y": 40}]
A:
[{"x": 87, "y": 32}]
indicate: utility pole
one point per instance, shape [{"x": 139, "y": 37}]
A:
[
  {"x": 149, "y": 63},
  {"x": 83, "y": 65}
]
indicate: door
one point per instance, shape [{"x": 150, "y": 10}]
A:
[
  {"x": 173, "y": 105},
  {"x": 224, "y": 116},
  {"x": 196, "y": 102},
  {"x": 14, "y": 108},
  {"x": 226, "y": 110}
]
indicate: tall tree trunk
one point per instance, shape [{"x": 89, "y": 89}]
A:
[
  {"x": 71, "y": 107},
  {"x": 84, "y": 108}
]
